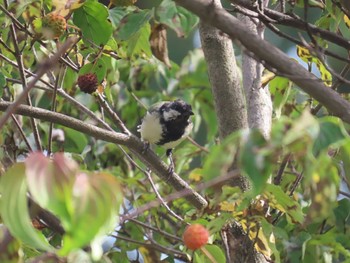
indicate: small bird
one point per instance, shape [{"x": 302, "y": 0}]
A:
[{"x": 167, "y": 123}]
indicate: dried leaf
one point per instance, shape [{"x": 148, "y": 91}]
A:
[{"x": 158, "y": 41}]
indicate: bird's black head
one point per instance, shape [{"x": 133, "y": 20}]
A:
[
  {"x": 175, "y": 121},
  {"x": 176, "y": 111}
]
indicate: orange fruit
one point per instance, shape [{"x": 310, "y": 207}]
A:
[{"x": 195, "y": 236}]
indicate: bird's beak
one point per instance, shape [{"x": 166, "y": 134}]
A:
[{"x": 191, "y": 113}]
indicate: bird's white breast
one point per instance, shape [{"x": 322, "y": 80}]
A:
[{"x": 150, "y": 128}]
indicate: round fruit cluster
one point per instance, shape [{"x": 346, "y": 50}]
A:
[
  {"x": 88, "y": 82},
  {"x": 53, "y": 26}
]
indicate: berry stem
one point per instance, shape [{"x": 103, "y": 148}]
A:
[{"x": 209, "y": 256}]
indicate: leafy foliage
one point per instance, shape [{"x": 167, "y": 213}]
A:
[{"x": 295, "y": 211}]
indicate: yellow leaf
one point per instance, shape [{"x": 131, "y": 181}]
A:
[
  {"x": 267, "y": 77},
  {"x": 347, "y": 21},
  {"x": 257, "y": 235},
  {"x": 64, "y": 8},
  {"x": 226, "y": 206},
  {"x": 196, "y": 175},
  {"x": 304, "y": 53}
]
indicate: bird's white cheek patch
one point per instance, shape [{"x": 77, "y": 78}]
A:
[
  {"x": 151, "y": 129},
  {"x": 170, "y": 115}
]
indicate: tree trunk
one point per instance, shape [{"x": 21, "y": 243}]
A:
[
  {"x": 259, "y": 104},
  {"x": 231, "y": 111}
]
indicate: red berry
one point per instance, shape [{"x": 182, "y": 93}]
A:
[
  {"x": 195, "y": 236},
  {"x": 88, "y": 83}
]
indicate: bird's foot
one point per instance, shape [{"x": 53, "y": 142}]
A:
[
  {"x": 145, "y": 148},
  {"x": 171, "y": 168},
  {"x": 170, "y": 173}
]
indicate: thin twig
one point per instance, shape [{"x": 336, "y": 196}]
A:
[
  {"x": 283, "y": 6},
  {"x": 278, "y": 32},
  {"x": 335, "y": 85},
  {"x": 208, "y": 255},
  {"x": 155, "y": 246},
  {"x": 24, "y": 29},
  {"x": 180, "y": 194},
  {"x": 162, "y": 202},
  {"x": 345, "y": 11},
  {"x": 277, "y": 180},
  {"x": 294, "y": 21},
  {"x": 19, "y": 57},
  {"x": 112, "y": 114},
  {"x": 163, "y": 233},
  {"x": 62, "y": 93},
  {"x": 43, "y": 68},
  {"x": 6, "y": 47},
  {"x": 54, "y": 106},
  {"x": 294, "y": 186},
  {"x": 344, "y": 193},
  {"x": 21, "y": 132},
  {"x": 203, "y": 149}
]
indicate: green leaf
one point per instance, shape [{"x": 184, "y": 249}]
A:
[
  {"x": 303, "y": 238},
  {"x": 221, "y": 157},
  {"x": 99, "y": 68},
  {"x": 116, "y": 14},
  {"x": 342, "y": 215},
  {"x": 139, "y": 42},
  {"x": 304, "y": 129},
  {"x": 51, "y": 182},
  {"x": 2, "y": 81},
  {"x": 91, "y": 18},
  {"x": 268, "y": 231},
  {"x": 278, "y": 199},
  {"x": 255, "y": 159},
  {"x": 331, "y": 132},
  {"x": 176, "y": 17},
  {"x": 209, "y": 253},
  {"x": 216, "y": 252},
  {"x": 280, "y": 88},
  {"x": 322, "y": 178},
  {"x": 344, "y": 157},
  {"x": 14, "y": 208},
  {"x": 133, "y": 23},
  {"x": 75, "y": 141},
  {"x": 329, "y": 239},
  {"x": 96, "y": 203}
]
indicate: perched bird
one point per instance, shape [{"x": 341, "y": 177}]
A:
[{"x": 167, "y": 123}]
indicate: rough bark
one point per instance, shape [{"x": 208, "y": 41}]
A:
[
  {"x": 224, "y": 79},
  {"x": 238, "y": 246},
  {"x": 225, "y": 83},
  {"x": 259, "y": 104},
  {"x": 231, "y": 113}
]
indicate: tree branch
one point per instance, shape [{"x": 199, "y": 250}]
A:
[
  {"x": 295, "y": 22},
  {"x": 270, "y": 55},
  {"x": 149, "y": 158}
]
